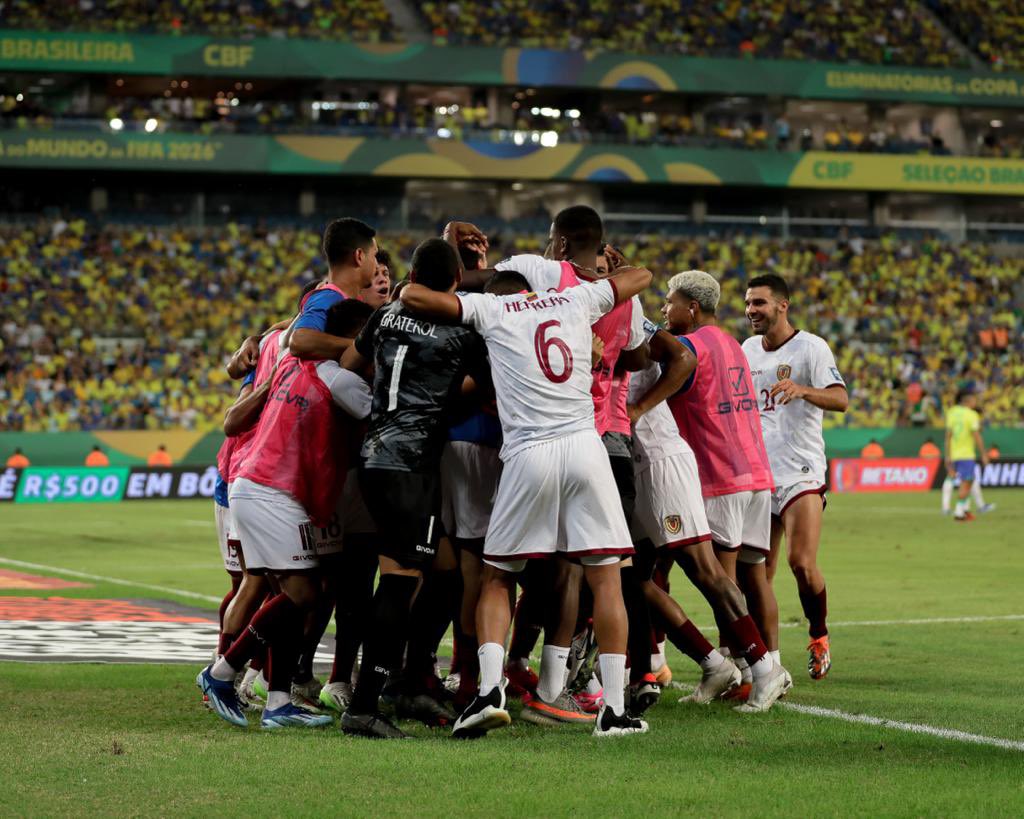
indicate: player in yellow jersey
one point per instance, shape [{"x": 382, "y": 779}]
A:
[{"x": 963, "y": 445}]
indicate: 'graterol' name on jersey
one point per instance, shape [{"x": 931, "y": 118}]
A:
[{"x": 407, "y": 324}]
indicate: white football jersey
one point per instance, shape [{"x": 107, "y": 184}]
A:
[
  {"x": 792, "y": 432},
  {"x": 540, "y": 345},
  {"x": 545, "y": 275},
  {"x": 655, "y": 434}
]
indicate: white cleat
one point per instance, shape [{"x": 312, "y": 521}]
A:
[
  {"x": 336, "y": 697},
  {"x": 715, "y": 683},
  {"x": 788, "y": 686},
  {"x": 765, "y": 691},
  {"x": 307, "y": 695}
]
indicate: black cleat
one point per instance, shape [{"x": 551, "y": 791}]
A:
[
  {"x": 425, "y": 709},
  {"x": 375, "y": 726},
  {"x": 610, "y": 724},
  {"x": 483, "y": 714}
]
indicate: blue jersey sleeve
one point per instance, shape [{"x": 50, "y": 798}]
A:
[
  {"x": 314, "y": 312},
  {"x": 689, "y": 346}
]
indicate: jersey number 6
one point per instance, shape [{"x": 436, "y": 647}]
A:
[{"x": 542, "y": 347}]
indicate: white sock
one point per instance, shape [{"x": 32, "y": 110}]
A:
[
  {"x": 613, "y": 672},
  {"x": 657, "y": 661},
  {"x": 961, "y": 508},
  {"x": 947, "y": 494},
  {"x": 724, "y": 651},
  {"x": 277, "y": 699},
  {"x": 713, "y": 660},
  {"x": 976, "y": 496},
  {"x": 762, "y": 668},
  {"x": 552, "y": 672},
  {"x": 492, "y": 658},
  {"x": 222, "y": 670},
  {"x": 741, "y": 664},
  {"x": 594, "y": 685},
  {"x": 776, "y": 656}
]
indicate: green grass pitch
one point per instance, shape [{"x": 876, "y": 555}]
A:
[{"x": 80, "y": 739}]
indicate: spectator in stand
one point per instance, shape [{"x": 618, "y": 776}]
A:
[
  {"x": 991, "y": 28},
  {"x": 872, "y": 451},
  {"x": 97, "y": 457},
  {"x": 159, "y": 457},
  {"x": 17, "y": 460}
]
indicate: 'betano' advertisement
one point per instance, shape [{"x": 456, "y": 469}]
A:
[
  {"x": 912, "y": 474},
  {"x": 82, "y": 484}
]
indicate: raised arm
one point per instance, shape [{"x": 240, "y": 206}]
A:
[
  {"x": 629, "y": 281},
  {"x": 431, "y": 304},
  {"x": 305, "y": 342}
]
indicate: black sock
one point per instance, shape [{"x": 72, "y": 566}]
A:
[
  {"x": 639, "y": 617},
  {"x": 431, "y": 615},
  {"x": 382, "y": 649},
  {"x": 355, "y": 604}
]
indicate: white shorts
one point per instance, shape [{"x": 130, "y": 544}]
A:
[
  {"x": 355, "y": 517},
  {"x": 741, "y": 519},
  {"x": 669, "y": 506},
  {"x": 783, "y": 496},
  {"x": 557, "y": 496},
  {"x": 469, "y": 482},
  {"x": 226, "y": 538},
  {"x": 274, "y": 529}
]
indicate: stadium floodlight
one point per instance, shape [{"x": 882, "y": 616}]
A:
[
  {"x": 996, "y": 123},
  {"x": 519, "y": 137},
  {"x": 151, "y": 125},
  {"x": 116, "y": 124},
  {"x": 573, "y": 113},
  {"x": 549, "y": 139},
  {"x": 535, "y": 111},
  {"x": 20, "y": 98}
]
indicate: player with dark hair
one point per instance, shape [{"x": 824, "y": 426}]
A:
[
  {"x": 716, "y": 414},
  {"x": 795, "y": 382},
  {"x": 379, "y": 290},
  {"x": 419, "y": 369},
  {"x": 557, "y": 494},
  {"x": 963, "y": 444}
]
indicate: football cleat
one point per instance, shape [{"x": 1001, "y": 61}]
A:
[
  {"x": 819, "y": 660},
  {"x": 423, "y": 708},
  {"x": 483, "y": 714},
  {"x": 258, "y": 689},
  {"x": 741, "y": 693},
  {"x": 451, "y": 682},
  {"x": 246, "y": 695},
  {"x": 642, "y": 695},
  {"x": 764, "y": 692},
  {"x": 563, "y": 710},
  {"x": 715, "y": 683},
  {"x": 292, "y": 716},
  {"x": 788, "y": 686},
  {"x": 521, "y": 680},
  {"x": 964, "y": 518},
  {"x": 987, "y": 507},
  {"x": 221, "y": 698},
  {"x": 663, "y": 675},
  {"x": 591, "y": 703},
  {"x": 610, "y": 724},
  {"x": 374, "y": 726},
  {"x": 336, "y": 696},
  {"x": 307, "y": 695}
]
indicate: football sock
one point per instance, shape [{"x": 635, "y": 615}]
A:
[
  {"x": 776, "y": 657},
  {"x": 284, "y": 657},
  {"x": 713, "y": 660},
  {"x": 431, "y": 615},
  {"x": 317, "y": 625},
  {"x": 224, "y": 642},
  {"x": 279, "y": 616},
  {"x": 688, "y": 639},
  {"x": 355, "y": 605},
  {"x": 552, "y": 672},
  {"x": 277, "y": 699},
  {"x": 526, "y": 630},
  {"x": 947, "y": 494},
  {"x": 976, "y": 495},
  {"x": 613, "y": 673},
  {"x": 386, "y": 639},
  {"x": 491, "y": 656},
  {"x": 745, "y": 634},
  {"x": 815, "y": 609},
  {"x": 639, "y": 616}
]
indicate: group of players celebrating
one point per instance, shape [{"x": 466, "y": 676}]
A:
[{"x": 515, "y": 447}]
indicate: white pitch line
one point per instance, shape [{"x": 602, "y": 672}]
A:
[
  {"x": 909, "y": 727},
  {"x": 115, "y": 580}
]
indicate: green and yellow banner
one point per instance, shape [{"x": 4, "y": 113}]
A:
[
  {"x": 454, "y": 159},
  {"x": 479, "y": 65}
]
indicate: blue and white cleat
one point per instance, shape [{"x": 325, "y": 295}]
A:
[
  {"x": 988, "y": 507},
  {"x": 221, "y": 698},
  {"x": 291, "y": 716}
]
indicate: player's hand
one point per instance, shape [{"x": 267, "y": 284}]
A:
[
  {"x": 634, "y": 412},
  {"x": 596, "y": 351},
  {"x": 787, "y": 390},
  {"x": 614, "y": 258},
  {"x": 463, "y": 232}
]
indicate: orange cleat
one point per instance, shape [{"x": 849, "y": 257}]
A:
[
  {"x": 520, "y": 680},
  {"x": 967, "y": 516},
  {"x": 819, "y": 661},
  {"x": 664, "y": 675},
  {"x": 740, "y": 693}
]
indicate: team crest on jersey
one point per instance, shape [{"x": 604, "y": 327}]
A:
[
  {"x": 783, "y": 372},
  {"x": 673, "y": 523}
]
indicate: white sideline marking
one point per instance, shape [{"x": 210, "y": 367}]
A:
[
  {"x": 909, "y": 727},
  {"x": 115, "y": 580}
]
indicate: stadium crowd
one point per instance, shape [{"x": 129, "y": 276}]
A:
[
  {"x": 991, "y": 28},
  {"x": 319, "y": 19},
  {"x": 121, "y": 327}
]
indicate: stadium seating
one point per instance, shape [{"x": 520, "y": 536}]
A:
[
  {"x": 320, "y": 19},
  {"x": 851, "y": 30},
  {"x": 121, "y": 327},
  {"x": 991, "y": 28}
]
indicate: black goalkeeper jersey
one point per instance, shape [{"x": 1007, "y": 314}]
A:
[{"x": 419, "y": 369}]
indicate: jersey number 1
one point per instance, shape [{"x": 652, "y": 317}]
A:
[{"x": 542, "y": 347}]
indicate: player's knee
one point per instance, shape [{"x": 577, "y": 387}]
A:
[{"x": 802, "y": 567}]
